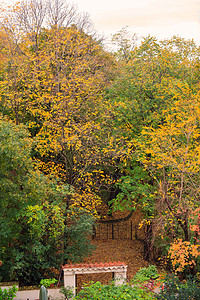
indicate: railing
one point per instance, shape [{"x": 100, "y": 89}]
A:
[{"x": 125, "y": 230}]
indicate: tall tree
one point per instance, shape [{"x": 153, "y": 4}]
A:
[
  {"x": 156, "y": 76},
  {"x": 56, "y": 88},
  {"x": 35, "y": 233},
  {"x": 171, "y": 154}
]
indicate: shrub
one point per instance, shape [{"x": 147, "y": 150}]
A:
[
  {"x": 174, "y": 289},
  {"x": 183, "y": 255},
  {"x": 97, "y": 291},
  {"x": 146, "y": 278},
  {"x": 47, "y": 282},
  {"x": 67, "y": 292},
  {"x": 145, "y": 274},
  {"x": 8, "y": 294}
]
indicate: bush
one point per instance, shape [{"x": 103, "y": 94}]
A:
[
  {"x": 97, "y": 291},
  {"x": 67, "y": 292},
  {"x": 48, "y": 282},
  {"x": 140, "y": 288},
  {"x": 8, "y": 294},
  {"x": 183, "y": 256},
  {"x": 173, "y": 289},
  {"x": 146, "y": 274}
]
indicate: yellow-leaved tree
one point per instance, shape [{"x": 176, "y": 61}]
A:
[
  {"x": 156, "y": 79},
  {"x": 171, "y": 155},
  {"x": 53, "y": 77}
]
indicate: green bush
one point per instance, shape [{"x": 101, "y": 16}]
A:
[
  {"x": 97, "y": 291},
  {"x": 8, "y": 294},
  {"x": 140, "y": 288},
  {"x": 146, "y": 274},
  {"x": 174, "y": 289},
  {"x": 67, "y": 292},
  {"x": 47, "y": 282}
]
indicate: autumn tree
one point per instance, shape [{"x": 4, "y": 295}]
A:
[
  {"x": 137, "y": 94},
  {"x": 141, "y": 94},
  {"x": 124, "y": 44},
  {"x": 55, "y": 86},
  {"x": 172, "y": 152},
  {"x": 52, "y": 80},
  {"x": 71, "y": 92},
  {"x": 158, "y": 74},
  {"x": 35, "y": 232}
]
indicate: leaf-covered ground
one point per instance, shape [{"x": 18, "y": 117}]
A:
[{"x": 128, "y": 251}]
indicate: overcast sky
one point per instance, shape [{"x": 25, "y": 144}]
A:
[{"x": 160, "y": 18}]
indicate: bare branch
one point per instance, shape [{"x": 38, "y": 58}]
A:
[{"x": 61, "y": 14}]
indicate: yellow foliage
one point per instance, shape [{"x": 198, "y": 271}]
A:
[
  {"x": 86, "y": 200},
  {"x": 52, "y": 169}
]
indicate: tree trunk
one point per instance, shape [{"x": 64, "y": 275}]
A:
[{"x": 148, "y": 243}]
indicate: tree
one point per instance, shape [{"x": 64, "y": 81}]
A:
[
  {"x": 56, "y": 89},
  {"x": 156, "y": 76},
  {"x": 28, "y": 208},
  {"x": 171, "y": 154},
  {"x": 138, "y": 95},
  {"x": 125, "y": 44},
  {"x": 34, "y": 229}
]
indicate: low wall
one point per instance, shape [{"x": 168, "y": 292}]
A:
[
  {"x": 7, "y": 287},
  {"x": 34, "y": 294}
]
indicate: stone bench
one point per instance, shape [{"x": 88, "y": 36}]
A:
[{"x": 119, "y": 270}]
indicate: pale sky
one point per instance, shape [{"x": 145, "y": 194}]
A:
[{"x": 159, "y": 18}]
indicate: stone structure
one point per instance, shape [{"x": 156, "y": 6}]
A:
[{"x": 119, "y": 270}]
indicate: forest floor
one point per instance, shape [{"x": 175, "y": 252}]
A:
[
  {"x": 127, "y": 251},
  {"x": 114, "y": 250}
]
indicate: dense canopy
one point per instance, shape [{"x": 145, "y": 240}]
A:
[{"x": 80, "y": 126}]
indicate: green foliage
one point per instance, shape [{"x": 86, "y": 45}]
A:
[
  {"x": 145, "y": 274},
  {"x": 47, "y": 282},
  {"x": 21, "y": 187},
  {"x": 33, "y": 213},
  {"x": 97, "y": 291},
  {"x": 155, "y": 106},
  {"x": 78, "y": 231},
  {"x": 67, "y": 292},
  {"x": 174, "y": 289},
  {"x": 136, "y": 191},
  {"x": 9, "y": 294}
]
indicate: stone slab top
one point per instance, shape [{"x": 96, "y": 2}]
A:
[
  {"x": 94, "y": 268},
  {"x": 94, "y": 265}
]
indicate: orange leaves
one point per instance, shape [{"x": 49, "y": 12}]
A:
[
  {"x": 169, "y": 146},
  {"x": 195, "y": 224},
  {"x": 182, "y": 255}
]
